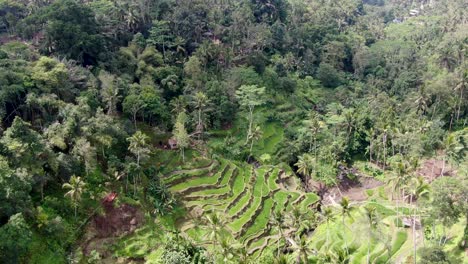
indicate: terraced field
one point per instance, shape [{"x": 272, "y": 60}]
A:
[
  {"x": 244, "y": 195},
  {"x": 387, "y": 241}
]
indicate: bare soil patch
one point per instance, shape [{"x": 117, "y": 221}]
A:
[
  {"x": 354, "y": 189},
  {"x": 104, "y": 230},
  {"x": 432, "y": 169}
]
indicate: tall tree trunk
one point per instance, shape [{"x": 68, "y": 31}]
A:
[
  {"x": 414, "y": 229},
  {"x": 443, "y": 166},
  {"x": 464, "y": 242},
  {"x": 368, "y": 247},
  {"x": 134, "y": 120},
  {"x": 315, "y": 149},
  {"x": 251, "y": 146},
  {"x": 250, "y": 124},
  {"x": 199, "y": 123},
  {"x": 460, "y": 102},
  {"x": 344, "y": 236},
  {"x": 385, "y": 151}
]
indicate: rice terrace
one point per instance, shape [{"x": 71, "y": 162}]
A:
[{"x": 233, "y": 131}]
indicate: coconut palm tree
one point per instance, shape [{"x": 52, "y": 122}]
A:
[
  {"x": 370, "y": 212},
  {"x": 139, "y": 147},
  {"x": 450, "y": 146},
  {"x": 301, "y": 246},
  {"x": 305, "y": 166},
  {"x": 295, "y": 217},
  {"x": 75, "y": 190},
  {"x": 229, "y": 249},
  {"x": 314, "y": 125},
  {"x": 281, "y": 259},
  {"x": 215, "y": 224},
  {"x": 327, "y": 215},
  {"x": 370, "y": 136},
  {"x": 397, "y": 181},
  {"x": 416, "y": 189},
  {"x": 277, "y": 220},
  {"x": 200, "y": 102},
  {"x": 345, "y": 211},
  {"x": 179, "y": 105}
]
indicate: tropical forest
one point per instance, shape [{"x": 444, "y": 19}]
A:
[{"x": 234, "y": 131}]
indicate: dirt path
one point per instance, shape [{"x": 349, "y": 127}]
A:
[{"x": 355, "y": 191}]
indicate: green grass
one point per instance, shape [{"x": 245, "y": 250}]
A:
[
  {"x": 260, "y": 190},
  {"x": 311, "y": 198},
  {"x": 237, "y": 188},
  {"x": 43, "y": 253},
  {"x": 281, "y": 197},
  {"x": 398, "y": 241},
  {"x": 273, "y": 134},
  {"x": 257, "y": 243},
  {"x": 169, "y": 180},
  {"x": 262, "y": 219},
  {"x": 237, "y": 224},
  {"x": 214, "y": 191},
  {"x": 361, "y": 254},
  {"x": 205, "y": 180},
  {"x": 240, "y": 204},
  {"x": 274, "y": 175},
  {"x": 140, "y": 243}
]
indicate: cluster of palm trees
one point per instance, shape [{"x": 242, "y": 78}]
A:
[
  {"x": 293, "y": 229},
  {"x": 409, "y": 187}
]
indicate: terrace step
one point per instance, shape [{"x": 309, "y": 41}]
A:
[
  {"x": 191, "y": 189},
  {"x": 256, "y": 214},
  {"x": 190, "y": 170},
  {"x": 179, "y": 178},
  {"x": 250, "y": 185},
  {"x": 220, "y": 196},
  {"x": 264, "y": 245}
]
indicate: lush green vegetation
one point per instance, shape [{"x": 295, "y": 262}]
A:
[{"x": 207, "y": 131}]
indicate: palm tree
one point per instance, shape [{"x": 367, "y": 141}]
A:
[
  {"x": 200, "y": 102},
  {"x": 139, "y": 147},
  {"x": 305, "y": 166},
  {"x": 370, "y": 137},
  {"x": 370, "y": 213},
  {"x": 214, "y": 225},
  {"x": 295, "y": 217},
  {"x": 256, "y": 135},
  {"x": 302, "y": 249},
  {"x": 449, "y": 146},
  {"x": 243, "y": 256},
  {"x": 345, "y": 212},
  {"x": 328, "y": 217},
  {"x": 397, "y": 181},
  {"x": 314, "y": 125},
  {"x": 75, "y": 190},
  {"x": 229, "y": 248},
  {"x": 179, "y": 105},
  {"x": 281, "y": 259},
  {"x": 416, "y": 189},
  {"x": 277, "y": 219}
]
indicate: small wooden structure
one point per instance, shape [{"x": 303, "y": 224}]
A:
[
  {"x": 409, "y": 221},
  {"x": 172, "y": 143},
  {"x": 110, "y": 197},
  {"x": 414, "y": 12}
]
